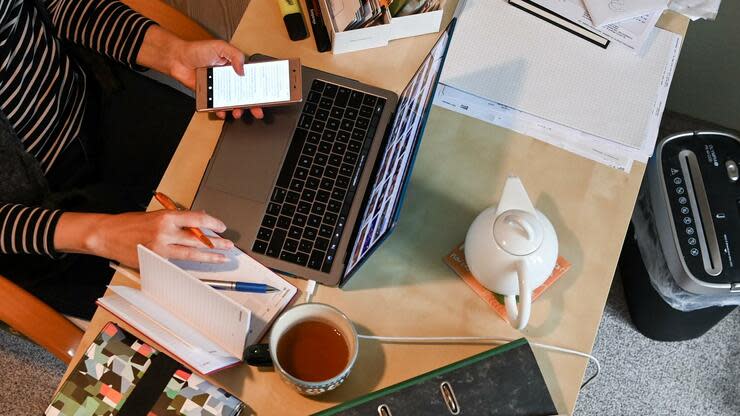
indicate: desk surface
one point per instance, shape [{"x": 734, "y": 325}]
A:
[{"x": 405, "y": 288}]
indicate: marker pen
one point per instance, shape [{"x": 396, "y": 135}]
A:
[{"x": 293, "y": 18}]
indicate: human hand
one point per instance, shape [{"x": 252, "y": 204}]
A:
[{"x": 116, "y": 236}]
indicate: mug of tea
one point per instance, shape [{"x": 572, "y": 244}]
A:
[{"x": 313, "y": 346}]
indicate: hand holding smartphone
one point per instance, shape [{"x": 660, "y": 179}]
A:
[{"x": 264, "y": 84}]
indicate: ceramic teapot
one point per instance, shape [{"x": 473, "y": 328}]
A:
[{"x": 511, "y": 249}]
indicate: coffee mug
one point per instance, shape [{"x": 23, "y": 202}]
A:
[{"x": 314, "y": 312}]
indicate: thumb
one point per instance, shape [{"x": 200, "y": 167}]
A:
[{"x": 235, "y": 56}]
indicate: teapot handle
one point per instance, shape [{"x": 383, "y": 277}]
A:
[{"x": 520, "y": 317}]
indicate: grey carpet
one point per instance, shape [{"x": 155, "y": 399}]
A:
[{"x": 639, "y": 376}]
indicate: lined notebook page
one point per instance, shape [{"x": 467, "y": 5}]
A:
[
  {"x": 218, "y": 317},
  {"x": 506, "y": 55},
  {"x": 243, "y": 268}
]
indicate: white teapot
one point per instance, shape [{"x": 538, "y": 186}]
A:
[{"x": 511, "y": 249}]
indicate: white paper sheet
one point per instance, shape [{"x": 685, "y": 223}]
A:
[{"x": 604, "y": 12}]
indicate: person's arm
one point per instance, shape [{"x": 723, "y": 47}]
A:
[{"x": 27, "y": 230}]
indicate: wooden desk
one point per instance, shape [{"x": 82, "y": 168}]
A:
[{"x": 405, "y": 288}]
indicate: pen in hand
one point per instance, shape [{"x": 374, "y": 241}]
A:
[{"x": 168, "y": 203}]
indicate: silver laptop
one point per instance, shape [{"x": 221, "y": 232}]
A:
[{"x": 314, "y": 188}]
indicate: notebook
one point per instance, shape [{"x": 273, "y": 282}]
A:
[
  {"x": 121, "y": 375},
  {"x": 501, "y": 381},
  {"x": 206, "y": 328}
]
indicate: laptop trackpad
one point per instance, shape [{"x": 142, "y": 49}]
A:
[{"x": 250, "y": 153}]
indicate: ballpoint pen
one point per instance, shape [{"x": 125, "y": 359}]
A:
[
  {"x": 240, "y": 286},
  {"x": 170, "y": 204}
]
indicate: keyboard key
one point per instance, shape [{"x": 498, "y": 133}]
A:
[
  {"x": 259, "y": 247},
  {"x": 289, "y": 257},
  {"x": 278, "y": 195},
  {"x": 296, "y": 185},
  {"x": 288, "y": 210},
  {"x": 320, "y": 159},
  {"x": 337, "y": 193},
  {"x": 291, "y": 244},
  {"x": 326, "y": 184},
  {"x": 335, "y": 159},
  {"x": 322, "y": 243},
  {"x": 350, "y": 158},
  {"x": 293, "y": 197},
  {"x": 369, "y": 100},
  {"x": 333, "y": 123},
  {"x": 305, "y": 161},
  {"x": 314, "y": 220},
  {"x": 354, "y": 146},
  {"x": 325, "y": 147},
  {"x": 316, "y": 260},
  {"x": 305, "y": 245},
  {"x": 293, "y": 154},
  {"x": 269, "y": 221},
  {"x": 309, "y": 233},
  {"x": 362, "y": 123},
  {"x": 276, "y": 243},
  {"x": 329, "y": 135},
  {"x": 304, "y": 207},
  {"x": 343, "y": 136},
  {"x": 337, "y": 112},
  {"x": 318, "y": 209},
  {"x": 314, "y": 138},
  {"x": 351, "y": 113},
  {"x": 331, "y": 172},
  {"x": 326, "y": 231},
  {"x": 366, "y": 111},
  {"x": 283, "y": 222},
  {"x": 309, "y": 108},
  {"x": 333, "y": 206},
  {"x": 325, "y": 103},
  {"x": 264, "y": 234},
  {"x": 358, "y": 134},
  {"x": 308, "y": 195},
  {"x": 330, "y": 90},
  {"x": 317, "y": 85},
  {"x": 305, "y": 121},
  {"x": 321, "y": 115},
  {"x": 355, "y": 99},
  {"x": 330, "y": 219},
  {"x": 347, "y": 125},
  {"x": 317, "y": 170},
  {"x": 342, "y": 182},
  {"x": 346, "y": 169},
  {"x": 312, "y": 183},
  {"x": 300, "y": 219},
  {"x": 318, "y": 125},
  {"x": 301, "y": 258},
  {"x": 273, "y": 208},
  {"x": 301, "y": 173},
  {"x": 310, "y": 150},
  {"x": 323, "y": 196},
  {"x": 295, "y": 232},
  {"x": 342, "y": 97},
  {"x": 313, "y": 97},
  {"x": 339, "y": 148}
]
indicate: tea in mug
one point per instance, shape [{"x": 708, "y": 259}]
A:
[{"x": 313, "y": 351}]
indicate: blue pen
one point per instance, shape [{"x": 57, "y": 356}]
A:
[{"x": 240, "y": 286}]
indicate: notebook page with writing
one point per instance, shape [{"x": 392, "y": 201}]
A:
[
  {"x": 243, "y": 268},
  {"x": 174, "y": 335},
  {"x": 216, "y": 316},
  {"x": 506, "y": 55}
]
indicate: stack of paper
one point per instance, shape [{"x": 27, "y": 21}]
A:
[{"x": 508, "y": 67}]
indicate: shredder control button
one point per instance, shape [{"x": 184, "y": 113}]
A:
[{"x": 732, "y": 171}]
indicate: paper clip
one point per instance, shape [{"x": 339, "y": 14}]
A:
[
  {"x": 449, "y": 397},
  {"x": 384, "y": 410}
]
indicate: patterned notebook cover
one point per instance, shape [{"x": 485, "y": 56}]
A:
[{"x": 115, "y": 364}]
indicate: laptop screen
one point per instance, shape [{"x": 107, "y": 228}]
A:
[{"x": 392, "y": 171}]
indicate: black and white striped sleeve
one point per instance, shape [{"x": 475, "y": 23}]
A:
[
  {"x": 106, "y": 26},
  {"x": 27, "y": 230}
]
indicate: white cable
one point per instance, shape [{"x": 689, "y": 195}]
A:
[
  {"x": 453, "y": 340},
  {"x": 310, "y": 290}
]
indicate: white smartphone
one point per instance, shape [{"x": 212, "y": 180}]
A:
[{"x": 264, "y": 84}]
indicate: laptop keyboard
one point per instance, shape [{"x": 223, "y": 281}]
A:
[{"x": 312, "y": 197}]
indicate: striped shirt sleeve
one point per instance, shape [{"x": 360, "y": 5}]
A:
[
  {"x": 106, "y": 26},
  {"x": 27, "y": 230}
]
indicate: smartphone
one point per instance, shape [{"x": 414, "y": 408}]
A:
[{"x": 264, "y": 84}]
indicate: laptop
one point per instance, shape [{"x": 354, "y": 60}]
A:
[{"x": 315, "y": 187}]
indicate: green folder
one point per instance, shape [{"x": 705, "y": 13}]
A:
[{"x": 502, "y": 381}]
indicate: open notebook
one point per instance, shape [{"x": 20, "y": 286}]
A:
[{"x": 206, "y": 328}]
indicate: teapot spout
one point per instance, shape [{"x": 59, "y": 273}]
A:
[{"x": 514, "y": 196}]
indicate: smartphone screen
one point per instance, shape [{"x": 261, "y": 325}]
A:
[{"x": 264, "y": 82}]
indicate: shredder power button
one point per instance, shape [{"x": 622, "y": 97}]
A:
[{"x": 732, "y": 171}]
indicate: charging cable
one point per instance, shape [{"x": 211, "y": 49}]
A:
[{"x": 492, "y": 340}]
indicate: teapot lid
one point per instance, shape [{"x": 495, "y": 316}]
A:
[{"x": 518, "y": 232}]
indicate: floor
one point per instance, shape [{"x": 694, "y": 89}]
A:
[{"x": 639, "y": 376}]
